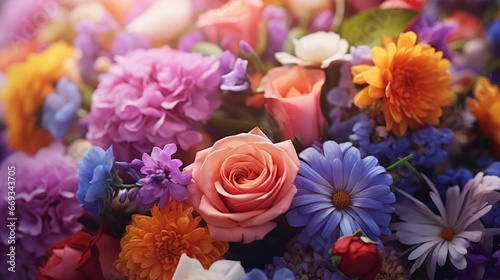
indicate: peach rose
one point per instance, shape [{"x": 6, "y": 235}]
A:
[
  {"x": 232, "y": 22},
  {"x": 241, "y": 184},
  {"x": 292, "y": 98}
]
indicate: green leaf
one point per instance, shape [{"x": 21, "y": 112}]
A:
[
  {"x": 207, "y": 49},
  {"x": 367, "y": 28}
]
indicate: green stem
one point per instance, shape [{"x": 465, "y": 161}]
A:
[
  {"x": 127, "y": 186},
  {"x": 416, "y": 172},
  {"x": 400, "y": 161},
  {"x": 339, "y": 15}
]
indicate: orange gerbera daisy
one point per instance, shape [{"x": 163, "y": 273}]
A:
[
  {"x": 486, "y": 107},
  {"x": 411, "y": 80},
  {"x": 28, "y": 84},
  {"x": 152, "y": 246}
]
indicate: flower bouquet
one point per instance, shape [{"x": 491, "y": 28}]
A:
[{"x": 250, "y": 139}]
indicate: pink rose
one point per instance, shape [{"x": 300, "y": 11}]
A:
[
  {"x": 232, "y": 22},
  {"x": 242, "y": 183},
  {"x": 403, "y": 4},
  {"x": 292, "y": 99}
]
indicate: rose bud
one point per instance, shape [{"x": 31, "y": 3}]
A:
[{"x": 356, "y": 257}]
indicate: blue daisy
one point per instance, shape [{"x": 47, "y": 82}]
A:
[{"x": 338, "y": 193}]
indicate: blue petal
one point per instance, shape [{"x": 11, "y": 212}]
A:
[
  {"x": 314, "y": 207},
  {"x": 317, "y": 221},
  {"x": 295, "y": 219},
  {"x": 254, "y": 274},
  {"x": 283, "y": 274},
  {"x": 302, "y": 182},
  {"x": 332, "y": 223}
]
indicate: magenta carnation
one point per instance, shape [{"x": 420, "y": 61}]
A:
[
  {"x": 153, "y": 97},
  {"x": 46, "y": 209}
]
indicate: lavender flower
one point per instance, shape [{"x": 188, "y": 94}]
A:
[
  {"x": 338, "y": 193},
  {"x": 163, "y": 179},
  {"x": 88, "y": 41},
  {"x": 46, "y": 209},
  {"x": 277, "y": 29},
  {"x": 126, "y": 42},
  {"x": 94, "y": 182},
  {"x": 435, "y": 35},
  {"x": 481, "y": 263},
  {"x": 187, "y": 42},
  {"x": 60, "y": 107},
  {"x": 234, "y": 72}
]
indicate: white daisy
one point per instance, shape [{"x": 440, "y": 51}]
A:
[{"x": 436, "y": 237}]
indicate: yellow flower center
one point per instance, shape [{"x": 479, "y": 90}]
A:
[
  {"x": 341, "y": 200},
  {"x": 447, "y": 234}
]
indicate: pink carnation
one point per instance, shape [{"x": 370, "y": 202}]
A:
[{"x": 153, "y": 97}]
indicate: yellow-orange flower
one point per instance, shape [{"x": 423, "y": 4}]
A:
[
  {"x": 152, "y": 246},
  {"x": 411, "y": 80},
  {"x": 28, "y": 84},
  {"x": 486, "y": 107}
]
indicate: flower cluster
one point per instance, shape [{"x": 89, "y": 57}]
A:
[{"x": 250, "y": 139}]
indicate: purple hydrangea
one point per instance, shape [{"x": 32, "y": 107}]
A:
[
  {"x": 46, "y": 209},
  {"x": 60, "y": 107},
  {"x": 163, "y": 180},
  {"x": 94, "y": 181},
  {"x": 338, "y": 193},
  {"x": 151, "y": 98}
]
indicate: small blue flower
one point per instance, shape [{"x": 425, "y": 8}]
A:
[
  {"x": 493, "y": 36},
  {"x": 94, "y": 170},
  {"x": 280, "y": 274},
  {"x": 60, "y": 107},
  {"x": 338, "y": 193}
]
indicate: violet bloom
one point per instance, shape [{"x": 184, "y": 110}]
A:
[
  {"x": 46, "y": 209},
  {"x": 234, "y": 72},
  {"x": 277, "y": 29},
  {"x": 126, "y": 42},
  {"x": 435, "y": 35},
  {"x": 187, "y": 42},
  {"x": 153, "y": 97},
  {"x": 60, "y": 107},
  {"x": 163, "y": 179}
]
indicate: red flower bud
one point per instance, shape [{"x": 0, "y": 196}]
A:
[{"x": 356, "y": 257}]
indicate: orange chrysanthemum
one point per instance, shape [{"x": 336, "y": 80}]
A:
[
  {"x": 486, "y": 107},
  {"x": 28, "y": 84},
  {"x": 411, "y": 80},
  {"x": 152, "y": 246}
]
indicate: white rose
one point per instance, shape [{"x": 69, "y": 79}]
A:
[
  {"x": 191, "y": 269},
  {"x": 316, "y": 49},
  {"x": 163, "y": 21}
]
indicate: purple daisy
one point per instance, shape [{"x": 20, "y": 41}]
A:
[
  {"x": 163, "y": 180},
  {"x": 338, "y": 193}
]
